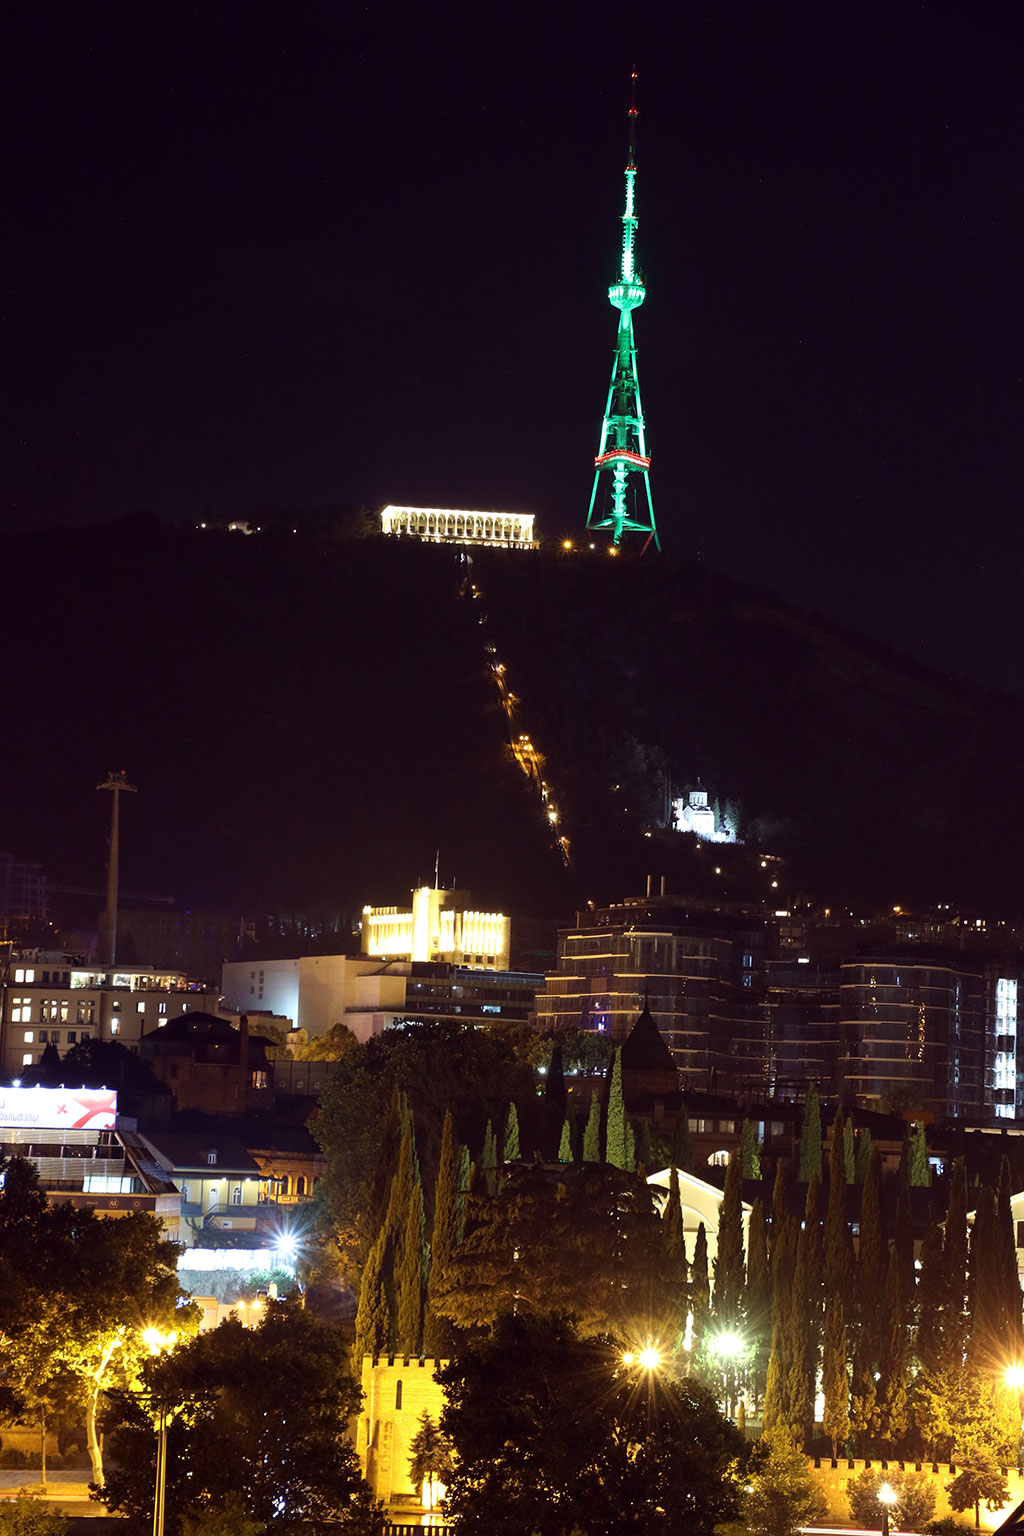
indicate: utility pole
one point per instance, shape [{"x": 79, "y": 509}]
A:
[{"x": 116, "y": 782}]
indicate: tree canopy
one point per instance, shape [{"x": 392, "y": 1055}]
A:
[
  {"x": 554, "y": 1434},
  {"x": 261, "y": 1417}
]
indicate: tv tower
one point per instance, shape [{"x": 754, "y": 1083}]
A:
[{"x": 621, "y": 499}]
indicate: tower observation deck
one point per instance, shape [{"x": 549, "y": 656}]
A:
[{"x": 621, "y": 498}]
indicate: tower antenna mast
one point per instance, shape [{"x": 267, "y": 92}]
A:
[
  {"x": 621, "y": 498},
  {"x": 116, "y": 782}
]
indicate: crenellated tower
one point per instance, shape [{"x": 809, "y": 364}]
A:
[{"x": 621, "y": 499}]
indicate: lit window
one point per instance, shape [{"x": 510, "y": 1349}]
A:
[
  {"x": 115, "y": 1007},
  {"x": 140, "y": 1007},
  {"x": 29, "y": 1037},
  {"x": 115, "y": 1026},
  {"x": 26, "y": 1060},
  {"x": 236, "y": 1195},
  {"x": 211, "y": 1158},
  {"x": 161, "y": 1007}
]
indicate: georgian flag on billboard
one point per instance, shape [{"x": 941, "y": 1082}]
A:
[{"x": 58, "y": 1109}]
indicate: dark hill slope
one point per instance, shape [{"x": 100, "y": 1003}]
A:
[
  {"x": 875, "y": 777},
  {"x": 308, "y": 723}
]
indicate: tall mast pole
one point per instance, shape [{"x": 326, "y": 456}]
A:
[
  {"x": 622, "y": 459},
  {"x": 116, "y": 782}
]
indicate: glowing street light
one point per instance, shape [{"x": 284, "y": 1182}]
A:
[
  {"x": 887, "y": 1498},
  {"x": 648, "y": 1358},
  {"x": 1014, "y": 1377}
]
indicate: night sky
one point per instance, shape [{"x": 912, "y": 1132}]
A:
[{"x": 292, "y": 255}]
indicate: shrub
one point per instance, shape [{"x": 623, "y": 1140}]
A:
[
  {"x": 25, "y": 1517},
  {"x": 915, "y": 1498}
]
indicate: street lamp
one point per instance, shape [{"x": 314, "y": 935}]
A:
[
  {"x": 1014, "y": 1378},
  {"x": 648, "y": 1358},
  {"x": 887, "y": 1498},
  {"x": 156, "y": 1342}
]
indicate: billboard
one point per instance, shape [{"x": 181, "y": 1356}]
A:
[{"x": 58, "y": 1109}]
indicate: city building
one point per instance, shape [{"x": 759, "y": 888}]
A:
[
  {"x": 218, "y": 1181},
  {"x": 24, "y": 897},
  {"x": 48, "y": 997},
  {"x": 698, "y": 967},
  {"x": 438, "y": 926},
  {"x": 369, "y": 995},
  {"x": 396, "y": 1392},
  {"x": 83, "y": 1155},
  {"x": 197, "y": 943},
  {"x": 438, "y": 525},
  {"x": 762, "y": 1003},
  {"x": 208, "y": 1064}
]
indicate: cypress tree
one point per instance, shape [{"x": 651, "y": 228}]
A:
[
  {"x": 779, "y": 1209},
  {"x": 489, "y": 1159},
  {"x": 643, "y": 1144},
  {"x": 630, "y": 1163},
  {"x": 1009, "y": 1284},
  {"x": 954, "y": 1257},
  {"x": 510, "y": 1140},
  {"x": 776, "y": 1417},
  {"x": 465, "y": 1173},
  {"x": 387, "y": 1161},
  {"x": 700, "y": 1290},
  {"x": 565, "y": 1145},
  {"x": 682, "y": 1147},
  {"x": 903, "y": 1244},
  {"x": 729, "y": 1266},
  {"x": 872, "y": 1264},
  {"x": 672, "y": 1220},
  {"x": 554, "y": 1082},
  {"x": 373, "y": 1316},
  {"x": 615, "y": 1131},
  {"x": 409, "y": 1272},
  {"x": 443, "y": 1239},
  {"x": 406, "y": 1178},
  {"x": 757, "y": 1303},
  {"x": 920, "y": 1173},
  {"x": 984, "y": 1287},
  {"x": 449, "y": 1213},
  {"x": 835, "y": 1382},
  {"x": 800, "y": 1347},
  {"x": 931, "y": 1304},
  {"x": 750, "y": 1152},
  {"x": 863, "y": 1157},
  {"x": 810, "y": 1138},
  {"x": 838, "y": 1258},
  {"x": 592, "y": 1133},
  {"x": 849, "y": 1154},
  {"x": 893, "y": 1397}
]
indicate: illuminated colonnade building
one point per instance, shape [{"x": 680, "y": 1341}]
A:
[
  {"x": 438, "y": 525},
  {"x": 437, "y": 927}
]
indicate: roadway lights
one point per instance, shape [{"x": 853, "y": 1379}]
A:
[{"x": 887, "y": 1498}]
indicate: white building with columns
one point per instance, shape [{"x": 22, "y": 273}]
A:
[{"x": 439, "y": 525}]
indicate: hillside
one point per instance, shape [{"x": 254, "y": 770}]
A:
[{"x": 308, "y": 722}]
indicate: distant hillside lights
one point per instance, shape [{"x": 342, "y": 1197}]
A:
[
  {"x": 693, "y": 814},
  {"x": 439, "y": 525}
]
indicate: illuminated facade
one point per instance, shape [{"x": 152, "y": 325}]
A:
[
  {"x": 694, "y": 814},
  {"x": 621, "y": 498},
  {"x": 439, "y": 525},
  {"x": 71, "y": 1139},
  {"x": 47, "y": 999},
  {"x": 436, "y": 928}
]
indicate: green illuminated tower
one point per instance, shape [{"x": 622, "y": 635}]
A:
[{"x": 621, "y": 499}]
